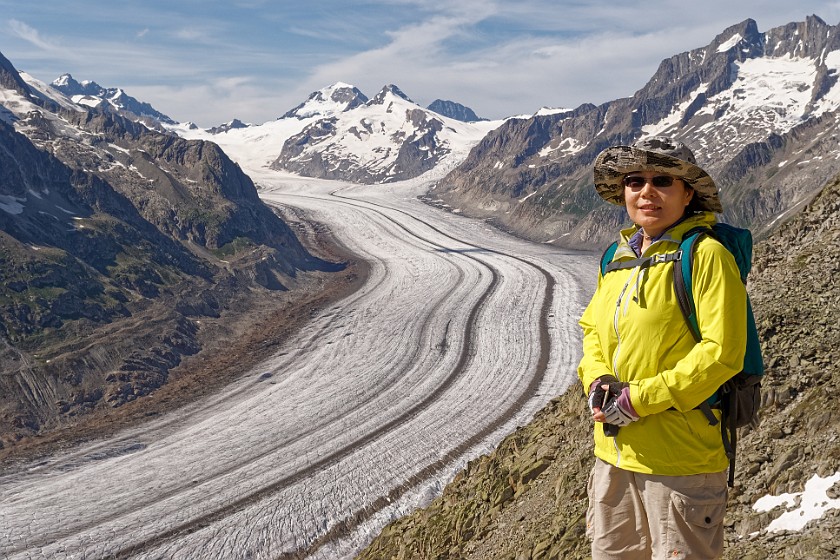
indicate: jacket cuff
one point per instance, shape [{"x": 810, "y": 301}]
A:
[{"x": 635, "y": 401}]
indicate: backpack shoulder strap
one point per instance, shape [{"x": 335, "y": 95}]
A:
[
  {"x": 607, "y": 257},
  {"x": 683, "y": 279}
]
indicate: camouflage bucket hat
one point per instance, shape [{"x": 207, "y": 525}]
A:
[{"x": 657, "y": 153}]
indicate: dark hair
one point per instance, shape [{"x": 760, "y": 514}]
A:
[{"x": 694, "y": 205}]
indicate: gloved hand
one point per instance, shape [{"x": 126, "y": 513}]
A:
[
  {"x": 598, "y": 396},
  {"x": 619, "y": 410}
]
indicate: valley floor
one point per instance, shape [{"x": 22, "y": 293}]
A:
[{"x": 305, "y": 444}]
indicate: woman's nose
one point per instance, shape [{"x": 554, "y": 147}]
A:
[{"x": 647, "y": 189}]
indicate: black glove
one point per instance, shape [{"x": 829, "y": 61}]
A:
[
  {"x": 598, "y": 397},
  {"x": 604, "y": 399}
]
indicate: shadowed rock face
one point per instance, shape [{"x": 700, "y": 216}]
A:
[
  {"x": 527, "y": 499},
  {"x": 10, "y": 78},
  {"x": 453, "y": 110},
  {"x": 766, "y": 158},
  {"x": 115, "y": 242}
]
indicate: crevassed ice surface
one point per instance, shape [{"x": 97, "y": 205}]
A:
[{"x": 365, "y": 414}]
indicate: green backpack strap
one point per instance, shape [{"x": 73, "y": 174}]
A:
[{"x": 608, "y": 265}]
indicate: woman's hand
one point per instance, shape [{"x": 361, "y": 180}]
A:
[
  {"x": 599, "y": 395},
  {"x": 609, "y": 401}
]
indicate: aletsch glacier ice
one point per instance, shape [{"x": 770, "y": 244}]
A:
[
  {"x": 310, "y": 452},
  {"x": 368, "y": 410}
]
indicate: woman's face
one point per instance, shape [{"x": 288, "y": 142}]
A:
[{"x": 655, "y": 200}]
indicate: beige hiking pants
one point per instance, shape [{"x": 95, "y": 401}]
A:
[{"x": 639, "y": 516}]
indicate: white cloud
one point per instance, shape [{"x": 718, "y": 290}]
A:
[
  {"x": 31, "y": 36},
  {"x": 195, "y": 34},
  {"x": 500, "y": 58},
  {"x": 528, "y": 70}
]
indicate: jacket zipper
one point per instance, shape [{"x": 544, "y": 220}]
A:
[{"x": 618, "y": 348}]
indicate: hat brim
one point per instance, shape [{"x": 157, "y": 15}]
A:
[{"x": 614, "y": 163}]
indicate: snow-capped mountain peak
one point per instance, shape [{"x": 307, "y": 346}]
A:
[
  {"x": 389, "y": 138},
  {"x": 771, "y": 82},
  {"x": 389, "y": 91},
  {"x": 90, "y": 94},
  {"x": 63, "y": 81},
  {"x": 328, "y": 101},
  {"x": 69, "y": 86}
]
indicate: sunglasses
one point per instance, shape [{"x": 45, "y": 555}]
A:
[{"x": 637, "y": 181}]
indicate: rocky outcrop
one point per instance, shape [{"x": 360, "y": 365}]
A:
[
  {"x": 232, "y": 125},
  {"x": 527, "y": 499},
  {"x": 10, "y": 78}
]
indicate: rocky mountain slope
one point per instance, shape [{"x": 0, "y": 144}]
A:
[
  {"x": 527, "y": 499},
  {"x": 120, "y": 246},
  {"x": 759, "y": 109}
]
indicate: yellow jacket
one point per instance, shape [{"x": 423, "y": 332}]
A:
[{"x": 633, "y": 329}]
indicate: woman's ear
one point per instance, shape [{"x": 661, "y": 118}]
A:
[{"x": 689, "y": 194}]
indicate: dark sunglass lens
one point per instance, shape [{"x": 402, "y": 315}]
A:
[
  {"x": 634, "y": 181},
  {"x": 662, "y": 181}
]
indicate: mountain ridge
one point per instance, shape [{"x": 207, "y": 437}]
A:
[
  {"x": 124, "y": 250},
  {"x": 721, "y": 99},
  {"x": 91, "y": 94}
]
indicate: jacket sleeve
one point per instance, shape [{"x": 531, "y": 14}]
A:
[
  {"x": 721, "y": 302},
  {"x": 594, "y": 363}
]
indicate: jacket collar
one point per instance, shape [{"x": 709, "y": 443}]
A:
[{"x": 671, "y": 236}]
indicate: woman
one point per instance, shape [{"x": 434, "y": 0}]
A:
[{"x": 659, "y": 487}]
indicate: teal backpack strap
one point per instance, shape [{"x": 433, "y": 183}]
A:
[
  {"x": 685, "y": 300},
  {"x": 683, "y": 280},
  {"x": 607, "y": 257}
]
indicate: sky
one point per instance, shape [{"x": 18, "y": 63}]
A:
[{"x": 209, "y": 62}]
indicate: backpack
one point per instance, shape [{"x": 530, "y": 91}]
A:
[{"x": 738, "y": 398}]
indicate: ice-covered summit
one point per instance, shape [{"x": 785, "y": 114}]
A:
[{"x": 328, "y": 101}]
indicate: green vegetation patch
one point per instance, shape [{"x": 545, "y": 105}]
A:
[{"x": 236, "y": 246}]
